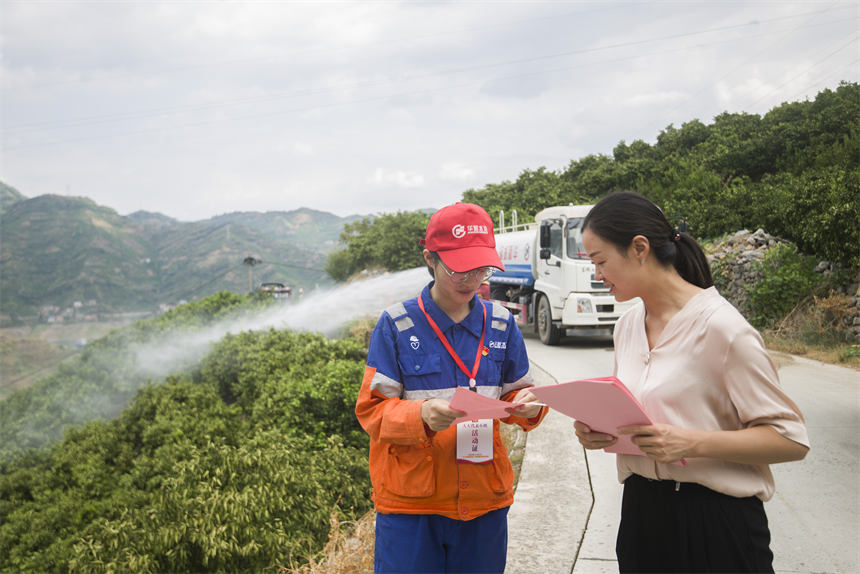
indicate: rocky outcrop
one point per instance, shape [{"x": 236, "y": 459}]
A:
[{"x": 733, "y": 259}]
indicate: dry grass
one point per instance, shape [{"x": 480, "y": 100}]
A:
[
  {"x": 349, "y": 549},
  {"x": 818, "y": 328},
  {"x": 514, "y": 439},
  {"x": 843, "y": 355},
  {"x": 350, "y": 546}
]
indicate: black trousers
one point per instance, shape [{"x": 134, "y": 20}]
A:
[{"x": 690, "y": 529}]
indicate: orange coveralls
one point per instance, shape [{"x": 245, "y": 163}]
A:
[{"x": 414, "y": 469}]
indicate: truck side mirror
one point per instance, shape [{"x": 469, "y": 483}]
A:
[
  {"x": 545, "y": 253},
  {"x": 544, "y": 237}
]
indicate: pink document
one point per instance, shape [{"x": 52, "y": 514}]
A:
[
  {"x": 477, "y": 406},
  {"x": 604, "y": 404}
]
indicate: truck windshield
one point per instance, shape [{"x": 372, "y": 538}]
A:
[{"x": 575, "y": 250}]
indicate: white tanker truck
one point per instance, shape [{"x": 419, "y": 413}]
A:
[{"x": 548, "y": 282}]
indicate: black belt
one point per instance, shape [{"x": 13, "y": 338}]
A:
[{"x": 672, "y": 485}]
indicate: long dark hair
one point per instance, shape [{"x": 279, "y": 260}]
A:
[{"x": 620, "y": 216}]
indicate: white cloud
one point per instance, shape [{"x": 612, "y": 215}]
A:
[
  {"x": 196, "y": 109},
  {"x": 730, "y": 95},
  {"x": 402, "y": 179},
  {"x": 303, "y": 148},
  {"x": 455, "y": 171},
  {"x": 656, "y": 98}
]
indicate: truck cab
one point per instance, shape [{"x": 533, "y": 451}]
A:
[{"x": 552, "y": 287}]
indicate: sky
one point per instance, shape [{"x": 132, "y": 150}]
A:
[{"x": 198, "y": 108}]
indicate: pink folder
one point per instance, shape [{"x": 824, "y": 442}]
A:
[{"x": 604, "y": 404}]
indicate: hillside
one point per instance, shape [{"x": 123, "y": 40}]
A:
[
  {"x": 8, "y": 196},
  {"x": 237, "y": 465},
  {"x": 56, "y": 250}
]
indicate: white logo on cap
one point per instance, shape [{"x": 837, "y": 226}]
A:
[{"x": 458, "y": 231}]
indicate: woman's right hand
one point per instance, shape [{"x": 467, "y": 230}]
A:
[{"x": 591, "y": 439}]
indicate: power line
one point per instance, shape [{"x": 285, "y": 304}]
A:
[
  {"x": 825, "y": 58},
  {"x": 449, "y": 31},
  {"x": 294, "y": 266},
  {"x": 380, "y": 83},
  {"x": 51, "y": 365},
  {"x": 187, "y": 292},
  {"x": 813, "y": 16}
]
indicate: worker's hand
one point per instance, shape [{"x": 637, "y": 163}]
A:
[
  {"x": 525, "y": 396},
  {"x": 592, "y": 439},
  {"x": 437, "y": 415}
]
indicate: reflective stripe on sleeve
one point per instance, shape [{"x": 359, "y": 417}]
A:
[
  {"x": 386, "y": 385},
  {"x": 525, "y": 381},
  {"x": 499, "y": 325},
  {"x": 493, "y": 392}
]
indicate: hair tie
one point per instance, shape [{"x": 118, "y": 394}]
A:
[{"x": 677, "y": 236}]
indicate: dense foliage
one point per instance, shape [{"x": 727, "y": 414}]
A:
[
  {"x": 787, "y": 279},
  {"x": 100, "y": 381},
  {"x": 234, "y": 465},
  {"x": 388, "y": 241},
  {"x": 795, "y": 172}
]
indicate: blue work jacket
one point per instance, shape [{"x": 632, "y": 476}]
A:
[{"x": 413, "y": 469}]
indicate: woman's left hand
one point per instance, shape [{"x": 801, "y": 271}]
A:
[
  {"x": 525, "y": 409},
  {"x": 661, "y": 442}
]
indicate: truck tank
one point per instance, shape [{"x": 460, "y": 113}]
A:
[{"x": 516, "y": 250}]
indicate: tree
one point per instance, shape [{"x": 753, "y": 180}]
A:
[
  {"x": 387, "y": 241},
  {"x": 741, "y": 171},
  {"x": 237, "y": 466},
  {"x": 674, "y": 142}
]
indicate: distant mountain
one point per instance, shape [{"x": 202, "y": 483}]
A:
[
  {"x": 55, "y": 250},
  {"x": 8, "y": 196},
  {"x": 147, "y": 218}
]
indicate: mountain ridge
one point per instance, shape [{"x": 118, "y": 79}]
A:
[{"x": 56, "y": 250}]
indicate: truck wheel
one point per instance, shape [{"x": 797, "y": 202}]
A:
[{"x": 549, "y": 334}]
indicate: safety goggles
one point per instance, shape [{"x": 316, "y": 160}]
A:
[{"x": 481, "y": 274}]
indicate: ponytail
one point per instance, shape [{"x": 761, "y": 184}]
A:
[
  {"x": 620, "y": 216},
  {"x": 690, "y": 261}
]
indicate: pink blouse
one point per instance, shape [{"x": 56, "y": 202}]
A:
[{"x": 709, "y": 370}]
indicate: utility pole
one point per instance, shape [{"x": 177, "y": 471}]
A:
[{"x": 250, "y": 261}]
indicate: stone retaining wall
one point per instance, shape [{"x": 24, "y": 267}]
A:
[{"x": 738, "y": 253}]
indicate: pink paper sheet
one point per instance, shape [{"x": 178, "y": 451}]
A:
[
  {"x": 604, "y": 404},
  {"x": 477, "y": 406}
]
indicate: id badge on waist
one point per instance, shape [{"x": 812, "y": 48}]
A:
[{"x": 475, "y": 441}]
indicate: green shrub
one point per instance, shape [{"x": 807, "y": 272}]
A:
[
  {"x": 239, "y": 465},
  {"x": 224, "y": 509},
  {"x": 788, "y": 278},
  {"x": 719, "y": 272}
]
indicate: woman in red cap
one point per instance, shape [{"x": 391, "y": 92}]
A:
[{"x": 442, "y": 491}]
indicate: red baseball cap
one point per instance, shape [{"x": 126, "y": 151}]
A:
[{"x": 462, "y": 235}]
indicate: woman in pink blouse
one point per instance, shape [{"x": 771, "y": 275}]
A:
[{"x": 693, "y": 502}]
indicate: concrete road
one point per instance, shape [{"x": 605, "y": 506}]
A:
[{"x": 567, "y": 504}]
